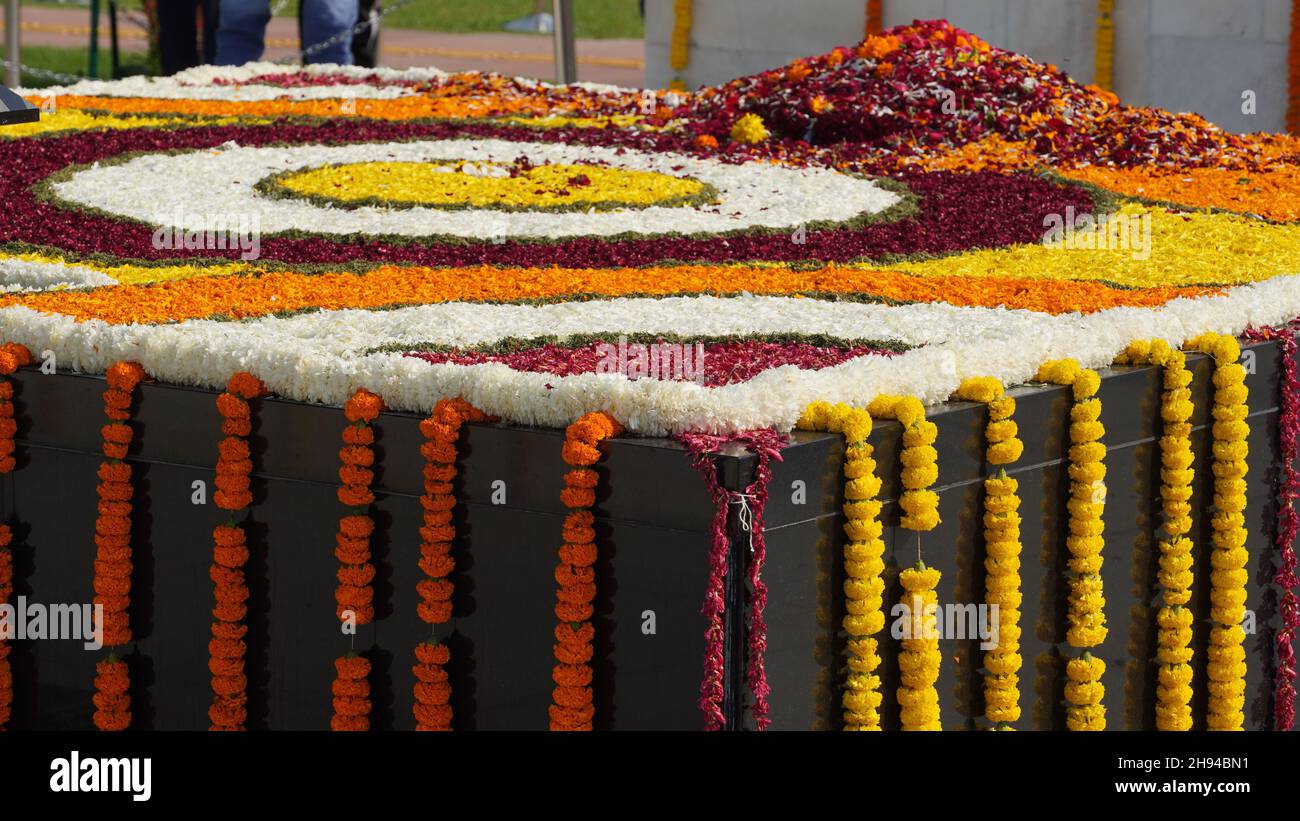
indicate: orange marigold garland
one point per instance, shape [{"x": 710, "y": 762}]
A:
[
  {"x": 351, "y": 690},
  {"x": 226, "y": 650},
  {"x": 576, "y": 576},
  {"x": 354, "y": 594},
  {"x": 875, "y": 17},
  {"x": 6, "y": 590},
  {"x": 442, "y": 430},
  {"x": 113, "y": 547},
  {"x": 12, "y": 357}
]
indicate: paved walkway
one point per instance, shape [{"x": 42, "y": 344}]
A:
[{"x": 621, "y": 62}]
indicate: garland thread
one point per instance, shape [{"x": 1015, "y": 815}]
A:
[
  {"x": 432, "y": 706},
  {"x": 354, "y": 593},
  {"x": 226, "y": 650},
  {"x": 1228, "y": 576},
  {"x": 572, "y": 707},
  {"x": 920, "y": 658},
  {"x": 112, "y": 579},
  {"x": 1002, "y": 548},
  {"x": 1084, "y": 691},
  {"x": 864, "y": 564}
]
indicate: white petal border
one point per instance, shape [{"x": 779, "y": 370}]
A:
[
  {"x": 1009, "y": 345},
  {"x": 753, "y": 195}
]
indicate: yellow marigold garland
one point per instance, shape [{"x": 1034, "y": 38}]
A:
[
  {"x": 1002, "y": 549},
  {"x": 919, "y": 661},
  {"x": 920, "y": 460},
  {"x": 1087, "y": 615},
  {"x": 680, "y": 54},
  {"x": 920, "y": 658},
  {"x": 864, "y": 565},
  {"x": 1104, "y": 53},
  {"x": 1227, "y": 655},
  {"x": 1173, "y": 640}
]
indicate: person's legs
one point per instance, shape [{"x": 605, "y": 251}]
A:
[
  {"x": 326, "y": 19},
  {"x": 241, "y": 31},
  {"x": 210, "y": 22},
  {"x": 177, "y": 35}
]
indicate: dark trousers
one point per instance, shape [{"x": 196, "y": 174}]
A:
[{"x": 179, "y": 45}]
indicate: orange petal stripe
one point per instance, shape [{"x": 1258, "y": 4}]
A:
[{"x": 244, "y": 297}]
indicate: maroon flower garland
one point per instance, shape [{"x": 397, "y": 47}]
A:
[
  {"x": 957, "y": 212},
  {"x": 1288, "y": 523},
  {"x": 766, "y": 444},
  {"x": 724, "y": 363}
]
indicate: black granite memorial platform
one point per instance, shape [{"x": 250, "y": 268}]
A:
[{"x": 653, "y": 521}]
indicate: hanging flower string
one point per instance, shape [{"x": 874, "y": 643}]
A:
[
  {"x": 354, "y": 595},
  {"x": 701, "y": 448},
  {"x": 1002, "y": 549},
  {"x": 875, "y": 18},
  {"x": 226, "y": 650},
  {"x": 1104, "y": 52},
  {"x": 920, "y": 658},
  {"x": 1174, "y": 620},
  {"x": 572, "y": 707},
  {"x": 432, "y": 705},
  {"x": 766, "y": 444},
  {"x": 1086, "y": 616},
  {"x": 679, "y": 56},
  {"x": 1288, "y": 491},
  {"x": 864, "y": 565},
  {"x": 12, "y": 357},
  {"x": 112, "y": 579},
  {"x": 1228, "y": 577}
]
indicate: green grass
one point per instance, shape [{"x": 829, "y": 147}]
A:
[
  {"x": 595, "y": 18},
  {"x": 70, "y": 61}
]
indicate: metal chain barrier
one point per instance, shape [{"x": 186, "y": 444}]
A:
[
  {"x": 343, "y": 35},
  {"x": 46, "y": 74}
]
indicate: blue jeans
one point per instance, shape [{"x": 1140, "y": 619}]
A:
[{"x": 241, "y": 30}]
